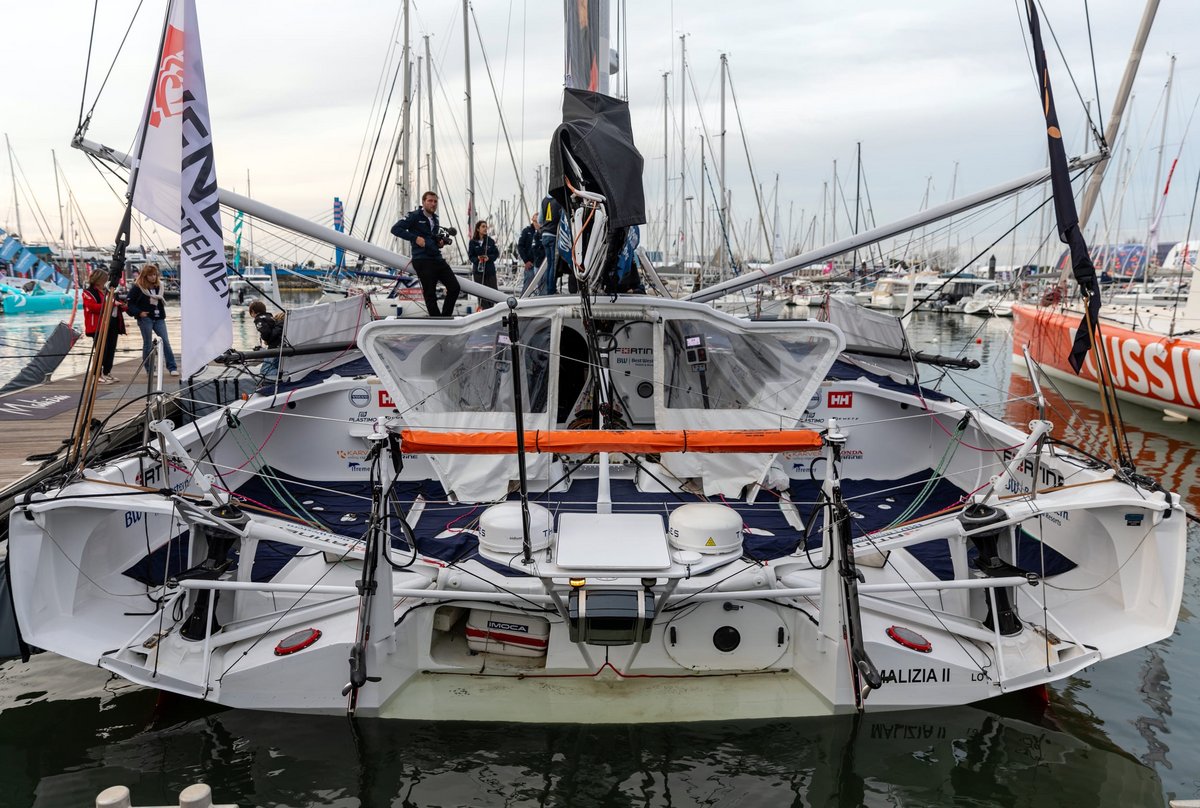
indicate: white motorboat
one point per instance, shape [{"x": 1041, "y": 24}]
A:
[{"x": 990, "y": 300}]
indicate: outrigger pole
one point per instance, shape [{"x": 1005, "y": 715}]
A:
[
  {"x": 290, "y": 221},
  {"x": 951, "y": 208}
]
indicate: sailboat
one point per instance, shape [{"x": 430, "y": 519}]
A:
[{"x": 605, "y": 507}]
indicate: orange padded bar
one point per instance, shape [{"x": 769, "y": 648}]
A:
[{"x": 586, "y": 441}]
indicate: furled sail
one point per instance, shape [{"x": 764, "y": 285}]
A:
[{"x": 1064, "y": 204}]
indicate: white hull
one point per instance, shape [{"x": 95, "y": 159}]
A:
[{"x": 75, "y": 595}]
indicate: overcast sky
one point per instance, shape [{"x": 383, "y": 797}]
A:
[{"x": 925, "y": 86}]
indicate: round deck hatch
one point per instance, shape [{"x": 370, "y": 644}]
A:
[
  {"x": 297, "y": 641},
  {"x": 909, "y": 639}
]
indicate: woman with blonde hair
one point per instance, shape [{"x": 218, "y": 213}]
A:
[
  {"x": 93, "y": 309},
  {"x": 146, "y": 306}
]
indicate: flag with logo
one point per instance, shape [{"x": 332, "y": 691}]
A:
[
  {"x": 1064, "y": 204},
  {"x": 176, "y": 186},
  {"x": 339, "y": 224},
  {"x": 9, "y": 248},
  {"x": 237, "y": 241},
  {"x": 24, "y": 262}
]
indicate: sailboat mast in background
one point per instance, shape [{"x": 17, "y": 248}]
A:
[{"x": 470, "y": 124}]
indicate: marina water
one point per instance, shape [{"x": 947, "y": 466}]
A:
[{"x": 1121, "y": 734}]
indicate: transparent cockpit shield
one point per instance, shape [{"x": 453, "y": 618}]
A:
[
  {"x": 755, "y": 376},
  {"x": 455, "y": 377}
]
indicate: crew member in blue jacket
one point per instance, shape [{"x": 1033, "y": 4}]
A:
[
  {"x": 483, "y": 252},
  {"x": 529, "y": 248},
  {"x": 421, "y": 228},
  {"x": 550, "y": 213}
]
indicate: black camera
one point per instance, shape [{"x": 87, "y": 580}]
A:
[{"x": 445, "y": 235}]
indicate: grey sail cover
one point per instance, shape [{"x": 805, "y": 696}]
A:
[
  {"x": 872, "y": 329},
  {"x": 597, "y": 132}
]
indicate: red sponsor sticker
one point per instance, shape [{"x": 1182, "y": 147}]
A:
[
  {"x": 385, "y": 399},
  {"x": 842, "y": 398},
  {"x": 168, "y": 86}
]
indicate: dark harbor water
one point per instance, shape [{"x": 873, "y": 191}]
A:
[{"x": 1121, "y": 734}]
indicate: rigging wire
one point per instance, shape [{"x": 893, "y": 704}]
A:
[{"x": 82, "y": 123}]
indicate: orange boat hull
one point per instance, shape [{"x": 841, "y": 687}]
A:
[{"x": 1148, "y": 368}]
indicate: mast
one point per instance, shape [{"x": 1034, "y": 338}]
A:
[
  {"x": 775, "y": 246},
  {"x": 703, "y": 254},
  {"x": 403, "y": 169},
  {"x": 432, "y": 143},
  {"x": 1092, "y": 193},
  {"x": 666, "y": 176},
  {"x": 1159, "y": 204},
  {"x": 416, "y": 173},
  {"x": 470, "y": 122},
  {"x": 62, "y": 228},
  {"x": 857, "y": 199},
  {"x": 723, "y": 206},
  {"x": 16, "y": 200},
  {"x": 683, "y": 244}
]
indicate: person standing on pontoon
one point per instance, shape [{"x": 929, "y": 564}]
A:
[
  {"x": 421, "y": 227},
  {"x": 146, "y": 306},
  {"x": 93, "y": 307}
]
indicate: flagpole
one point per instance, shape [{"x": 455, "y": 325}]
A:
[{"x": 81, "y": 431}]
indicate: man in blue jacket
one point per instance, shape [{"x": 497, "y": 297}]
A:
[
  {"x": 421, "y": 228},
  {"x": 529, "y": 248},
  {"x": 548, "y": 218}
]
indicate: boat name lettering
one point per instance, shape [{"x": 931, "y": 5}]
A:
[
  {"x": 1046, "y": 475},
  {"x": 30, "y": 407},
  {"x": 1164, "y": 371},
  {"x": 499, "y": 626},
  {"x": 907, "y": 732},
  {"x": 914, "y": 676}
]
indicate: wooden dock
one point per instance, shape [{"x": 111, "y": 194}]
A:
[{"x": 36, "y": 420}]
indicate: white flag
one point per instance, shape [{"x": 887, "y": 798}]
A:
[{"x": 176, "y": 186}]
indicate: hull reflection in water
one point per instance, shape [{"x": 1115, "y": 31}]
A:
[
  {"x": 1170, "y": 453},
  {"x": 951, "y": 756}
]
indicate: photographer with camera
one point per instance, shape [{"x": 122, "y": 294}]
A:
[{"x": 428, "y": 237}]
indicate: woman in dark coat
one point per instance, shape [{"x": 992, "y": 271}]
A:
[
  {"x": 482, "y": 252},
  {"x": 146, "y": 304}
]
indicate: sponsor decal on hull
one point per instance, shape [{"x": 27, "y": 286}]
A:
[{"x": 1147, "y": 365}]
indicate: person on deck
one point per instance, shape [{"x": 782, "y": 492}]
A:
[
  {"x": 529, "y": 248},
  {"x": 93, "y": 308},
  {"x": 422, "y": 229},
  {"x": 270, "y": 331},
  {"x": 146, "y": 305},
  {"x": 548, "y": 217},
  {"x": 483, "y": 252}
]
